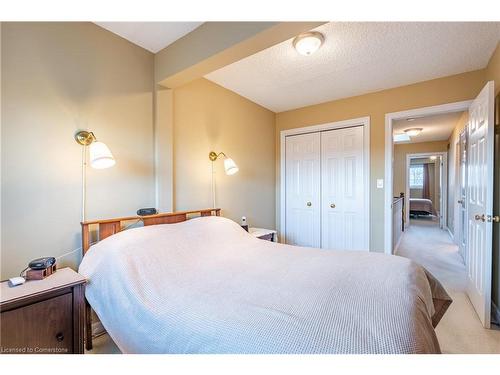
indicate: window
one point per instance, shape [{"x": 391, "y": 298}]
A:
[{"x": 416, "y": 176}]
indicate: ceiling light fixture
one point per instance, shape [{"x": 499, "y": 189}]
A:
[
  {"x": 412, "y": 132},
  {"x": 308, "y": 43},
  {"x": 410, "y": 119},
  {"x": 433, "y": 157}
]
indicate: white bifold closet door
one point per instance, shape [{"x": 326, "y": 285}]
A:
[
  {"x": 342, "y": 189},
  {"x": 325, "y": 192},
  {"x": 302, "y": 190}
]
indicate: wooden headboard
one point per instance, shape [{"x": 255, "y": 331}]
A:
[{"x": 108, "y": 227}]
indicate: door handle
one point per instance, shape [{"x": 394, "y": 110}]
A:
[
  {"x": 460, "y": 201},
  {"x": 332, "y": 205},
  {"x": 309, "y": 204},
  {"x": 480, "y": 217}
]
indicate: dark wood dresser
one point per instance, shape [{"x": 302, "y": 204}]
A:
[{"x": 43, "y": 316}]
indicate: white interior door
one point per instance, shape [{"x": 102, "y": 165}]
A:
[
  {"x": 342, "y": 171},
  {"x": 480, "y": 202},
  {"x": 302, "y": 190}
]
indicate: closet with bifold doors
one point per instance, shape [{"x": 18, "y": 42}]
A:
[{"x": 325, "y": 189}]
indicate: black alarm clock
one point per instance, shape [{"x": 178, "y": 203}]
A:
[
  {"x": 147, "y": 211},
  {"x": 42, "y": 263}
]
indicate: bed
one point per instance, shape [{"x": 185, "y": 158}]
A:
[
  {"x": 207, "y": 286},
  {"x": 420, "y": 206}
]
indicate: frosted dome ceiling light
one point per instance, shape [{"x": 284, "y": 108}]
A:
[
  {"x": 308, "y": 43},
  {"x": 413, "y": 131}
]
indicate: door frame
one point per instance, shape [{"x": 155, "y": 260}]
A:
[
  {"x": 457, "y": 182},
  {"x": 443, "y": 204},
  {"x": 389, "y": 152},
  {"x": 360, "y": 121}
]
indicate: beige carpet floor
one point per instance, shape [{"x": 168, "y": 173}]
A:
[{"x": 460, "y": 330}]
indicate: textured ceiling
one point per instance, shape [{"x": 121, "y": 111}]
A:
[
  {"x": 358, "y": 58},
  {"x": 435, "y": 128},
  {"x": 153, "y": 36}
]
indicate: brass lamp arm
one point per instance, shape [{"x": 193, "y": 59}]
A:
[
  {"x": 213, "y": 155},
  {"x": 85, "y": 138}
]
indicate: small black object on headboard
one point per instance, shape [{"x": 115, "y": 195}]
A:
[{"x": 147, "y": 211}]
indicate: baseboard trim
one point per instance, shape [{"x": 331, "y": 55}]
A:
[
  {"x": 397, "y": 245},
  {"x": 451, "y": 234},
  {"x": 495, "y": 313},
  {"x": 97, "y": 328}
]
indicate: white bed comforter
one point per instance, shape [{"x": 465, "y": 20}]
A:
[{"x": 207, "y": 286}]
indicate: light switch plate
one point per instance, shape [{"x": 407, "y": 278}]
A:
[{"x": 380, "y": 183}]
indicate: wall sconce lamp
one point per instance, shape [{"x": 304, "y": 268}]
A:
[
  {"x": 229, "y": 166},
  {"x": 99, "y": 155}
]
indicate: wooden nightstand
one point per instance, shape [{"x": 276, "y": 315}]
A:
[
  {"x": 264, "y": 234},
  {"x": 43, "y": 316}
]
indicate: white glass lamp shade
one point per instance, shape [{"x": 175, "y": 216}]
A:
[
  {"x": 308, "y": 43},
  {"x": 230, "y": 166},
  {"x": 100, "y": 156}
]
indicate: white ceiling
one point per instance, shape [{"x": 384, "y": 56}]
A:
[
  {"x": 434, "y": 128},
  {"x": 358, "y": 58},
  {"x": 153, "y": 36}
]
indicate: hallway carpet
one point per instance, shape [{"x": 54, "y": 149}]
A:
[{"x": 460, "y": 330}]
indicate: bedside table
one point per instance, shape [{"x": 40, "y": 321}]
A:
[
  {"x": 43, "y": 316},
  {"x": 264, "y": 234}
]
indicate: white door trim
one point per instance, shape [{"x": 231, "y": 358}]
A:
[
  {"x": 443, "y": 222},
  {"x": 360, "y": 121},
  {"x": 456, "y": 182},
  {"x": 389, "y": 118}
]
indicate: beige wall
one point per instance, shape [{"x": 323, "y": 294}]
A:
[
  {"x": 58, "y": 78},
  {"x": 438, "y": 91},
  {"x": 493, "y": 69},
  {"x": 164, "y": 139},
  {"x": 453, "y": 185},
  {"x": 208, "y": 117}
]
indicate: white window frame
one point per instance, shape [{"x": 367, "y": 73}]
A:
[{"x": 413, "y": 186}]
